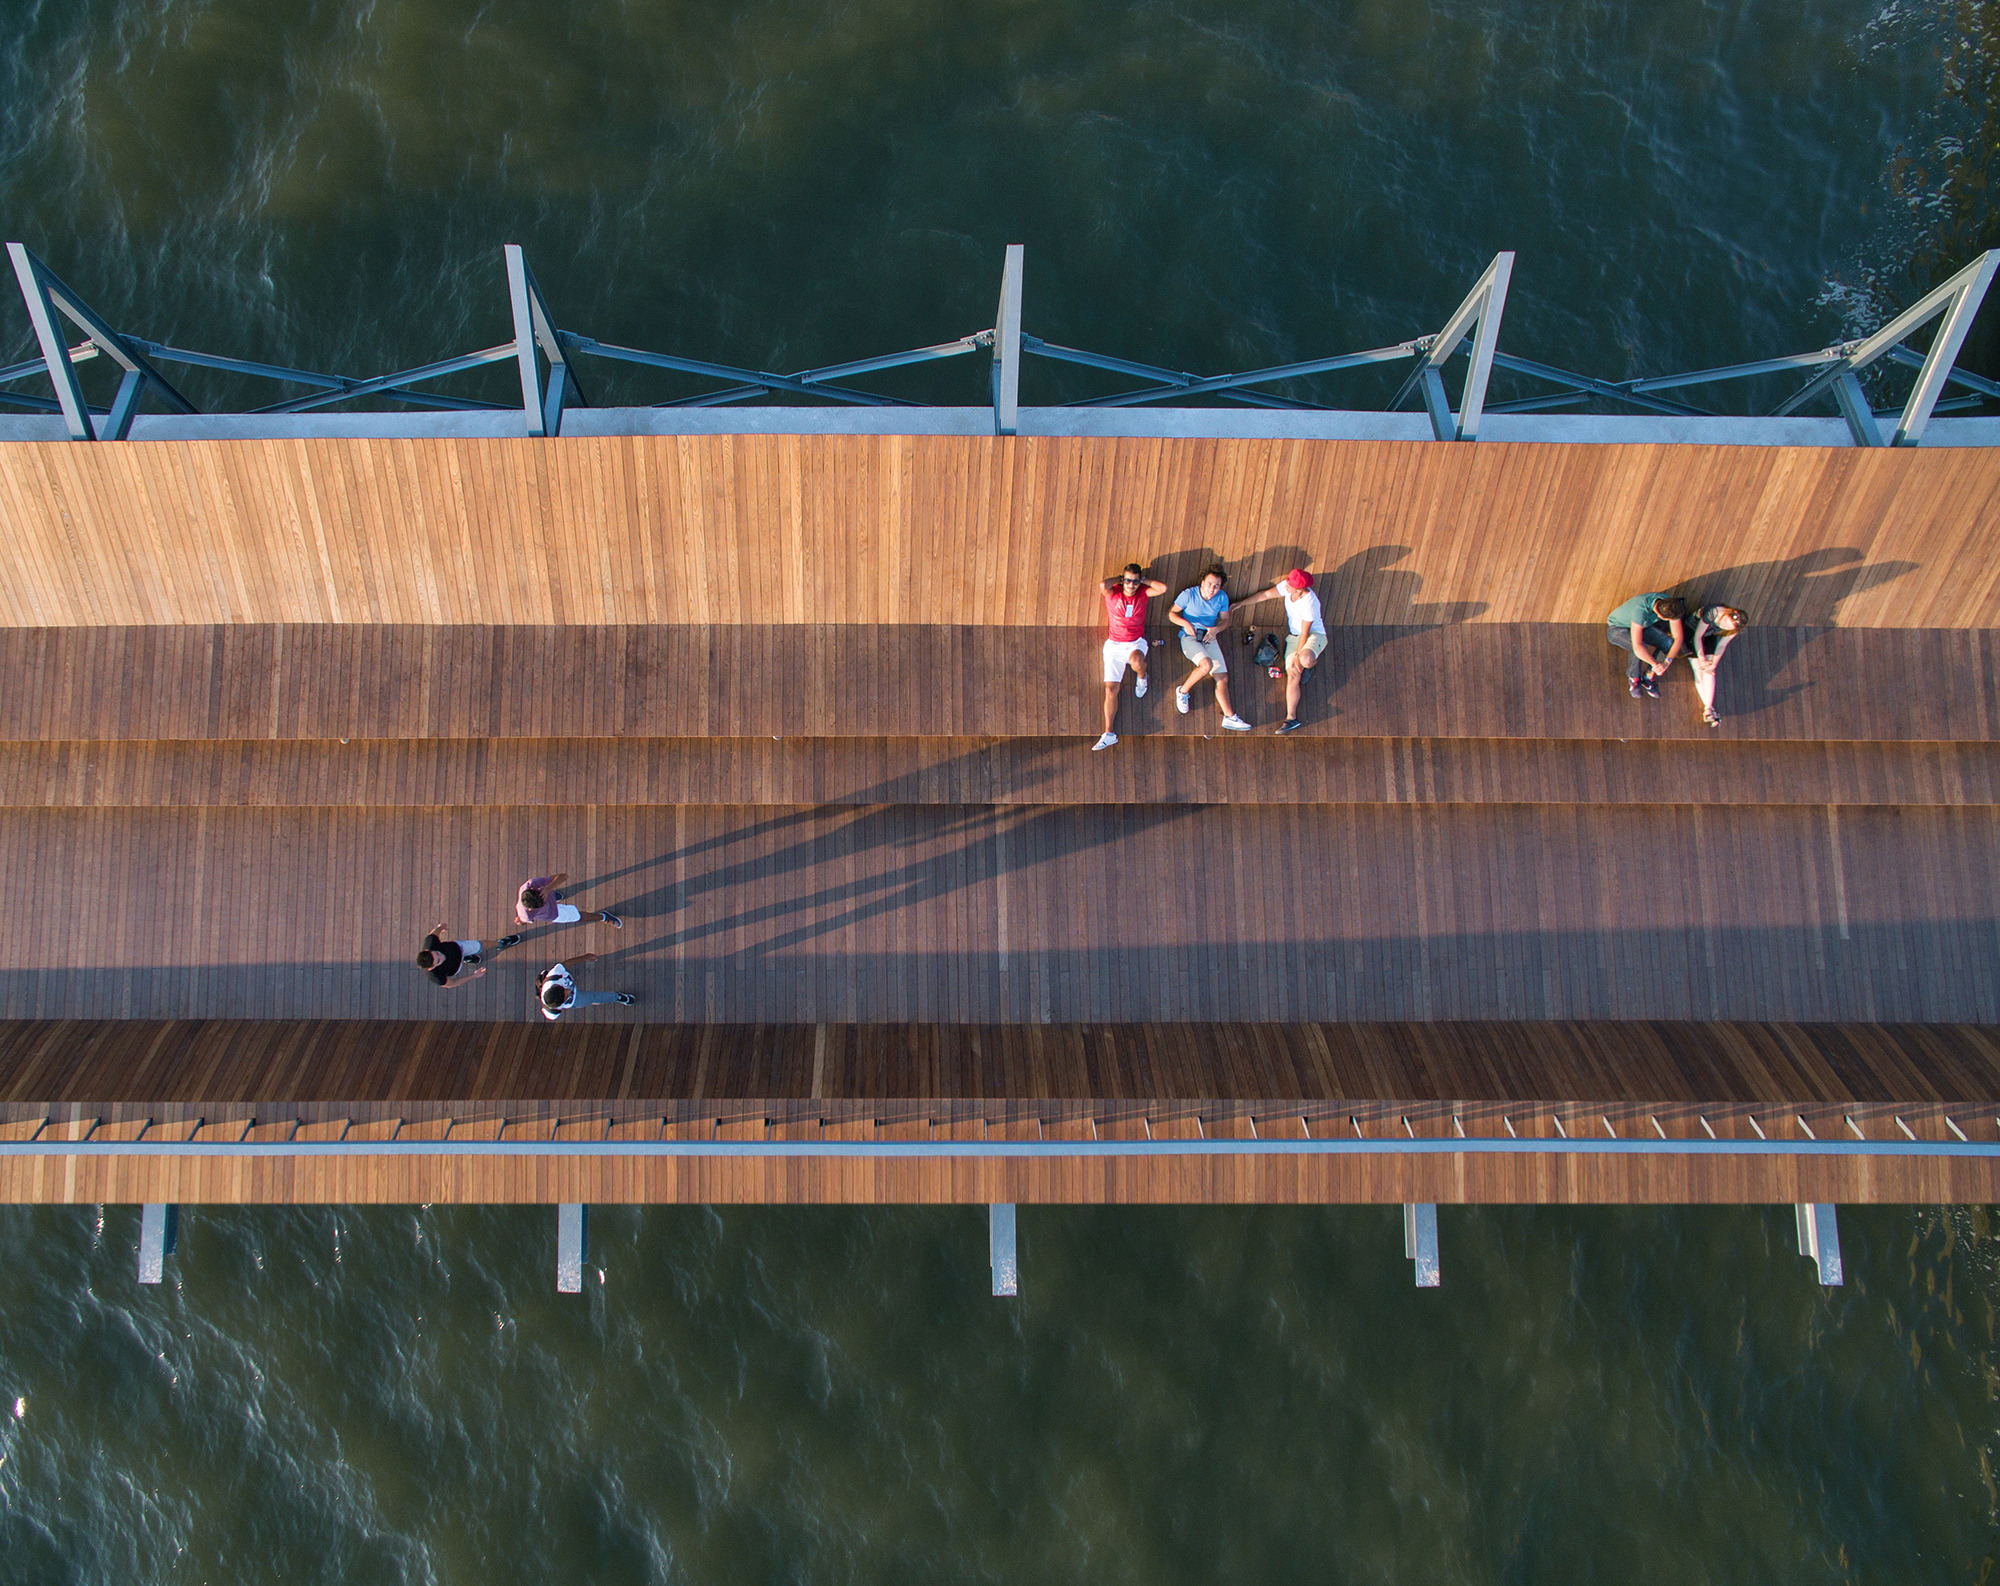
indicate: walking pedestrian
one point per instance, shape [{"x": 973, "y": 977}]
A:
[
  {"x": 558, "y": 994},
  {"x": 538, "y": 903},
  {"x": 1201, "y": 612},
  {"x": 1654, "y": 629},
  {"x": 450, "y": 962},
  {"x": 1308, "y": 639},
  {"x": 1125, "y": 601}
]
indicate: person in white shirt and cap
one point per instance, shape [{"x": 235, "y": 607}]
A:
[{"x": 1308, "y": 639}]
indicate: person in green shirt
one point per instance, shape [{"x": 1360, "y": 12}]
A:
[{"x": 1653, "y": 628}]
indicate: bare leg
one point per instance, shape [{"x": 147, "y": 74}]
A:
[
  {"x": 1295, "y": 678},
  {"x": 1110, "y": 704},
  {"x": 1196, "y": 676},
  {"x": 1222, "y": 694},
  {"x": 1704, "y": 685}
]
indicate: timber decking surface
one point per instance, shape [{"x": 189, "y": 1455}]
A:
[
  {"x": 471, "y": 772},
  {"x": 1486, "y": 680},
  {"x": 623, "y": 1069},
  {"x": 903, "y": 529},
  {"x": 1050, "y": 914},
  {"x": 1447, "y": 1179}
]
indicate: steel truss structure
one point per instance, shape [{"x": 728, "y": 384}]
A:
[{"x": 546, "y": 358}]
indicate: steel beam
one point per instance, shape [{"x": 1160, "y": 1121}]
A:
[
  {"x": 1007, "y": 345},
  {"x": 159, "y": 1231},
  {"x": 1001, "y": 1252},
  {"x": 1478, "y": 317},
  {"x": 1958, "y": 300},
  {"x": 1819, "y": 1238},
  {"x": 46, "y": 295},
  {"x": 572, "y": 1247},
  {"x": 1420, "y": 1242}
]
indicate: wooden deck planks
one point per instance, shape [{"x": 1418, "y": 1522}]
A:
[
  {"x": 891, "y": 529},
  {"x": 994, "y": 914},
  {"x": 1544, "y": 1178},
  {"x": 1481, "y": 681}
]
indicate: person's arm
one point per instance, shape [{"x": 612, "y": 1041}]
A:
[
  {"x": 1678, "y": 628},
  {"x": 582, "y": 959},
  {"x": 557, "y": 880},
  {"x": 1640, "y": 647},
  {"x": 1722, "y": 644},
  {"x": 1155, "y": 588},
  {"x": 1262, "y": 594},
  {"x": 1180, "y": 619},
  {"x": 463, "y": 976}
]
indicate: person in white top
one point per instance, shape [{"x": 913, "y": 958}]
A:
[
  {"x": 557, "y": 991},
  {"x": 1308, "y": 636}
]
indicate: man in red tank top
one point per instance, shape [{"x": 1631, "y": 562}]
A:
[{"x": 1125, "y": 600}]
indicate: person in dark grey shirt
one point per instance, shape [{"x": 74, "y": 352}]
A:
[{"x": 450, "y": 962}]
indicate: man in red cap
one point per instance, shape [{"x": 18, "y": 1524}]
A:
[{"x": 1308, "y": 636}]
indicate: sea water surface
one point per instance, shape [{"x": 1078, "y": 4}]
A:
[{"x": 831, "y": 1395}]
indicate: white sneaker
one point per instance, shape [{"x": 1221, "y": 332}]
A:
[
  {"x": 1139, "y": 689},
  {"x": 1181, "y": 700},
  {"x": 1105, "y": 742},
  {"x": 1235, "y": 724}
]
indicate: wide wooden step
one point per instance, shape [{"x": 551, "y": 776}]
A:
[
  {"x": 1474, "y": 680},
  {"x": 1259, "y": 769}
]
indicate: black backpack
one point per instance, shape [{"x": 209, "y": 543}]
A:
[{"x": 1268, "y": 653}]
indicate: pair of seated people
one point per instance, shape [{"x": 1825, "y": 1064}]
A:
[{"x": 1654, "y": 628}]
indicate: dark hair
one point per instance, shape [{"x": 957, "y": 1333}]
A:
[
  {"x": 554, "y": 995},
  {"x": 531, "y": 897},
  {"x": 1670, "y": 607},
  {"x": 1215, "y": 570},
  {"x": 1714, "y": 614},
  {"x": 425, "y": 958},
  {"x": 1135, "y": 569}
]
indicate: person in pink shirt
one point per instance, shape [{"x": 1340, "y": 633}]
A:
[
  {"x": 1125, "y": 600},
  {"x": 538, "y": 903}
]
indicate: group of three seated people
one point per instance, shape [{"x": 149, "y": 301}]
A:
[{"x": 1202, "y": 612}]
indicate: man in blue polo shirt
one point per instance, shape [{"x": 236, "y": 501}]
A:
[
  {"x": 1201, "y": 613},
  {"x": 1652, "y": 628}
]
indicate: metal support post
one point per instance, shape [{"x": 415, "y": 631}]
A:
[
  {"x": 1000, "y": 1251},
  {"x": 159, "y": 1231},
  {"x": 1007, "y": 345},
  {"x": 1958, "y": 301},
  {"x": 1819, "y": 1237},
  {"x": 534, "y": 328},
  {"x": 1420, "y": 1241},
  {"x": 1478, "y": 317},
  {"x": 46, "y": 296},
  {"x": 572, "y": 1247}
]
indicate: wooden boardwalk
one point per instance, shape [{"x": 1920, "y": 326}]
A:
[
  {"x": 813, "y": 715},
  {"x": 983, "y": 531},
  {"x": 1038, "y": 914},
  {"x": 1161, "y": 770},
  {"x": 1484, "y": 680}
]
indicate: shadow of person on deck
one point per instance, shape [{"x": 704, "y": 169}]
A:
[
  {"x": 1790, "y": 603},
  {"x": 1368, "y": 599},
  {"x": 907, "y": 787}
]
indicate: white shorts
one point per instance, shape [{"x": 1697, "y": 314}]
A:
[
  {"x": 1197, "y": 652},
  {"x": 1118, "y": 654},
  {"x": 567, "y": 914}
]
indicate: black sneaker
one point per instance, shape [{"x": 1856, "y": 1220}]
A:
[
  {"x": 1651, "y": 685},
  {"x": 505, "y": 941},
  {"x": 1637, "y": 691},
  {"x": 612, "y": 919},
  {"x": 1290, "y": 724},
  {"x": 627, "y": 998}
]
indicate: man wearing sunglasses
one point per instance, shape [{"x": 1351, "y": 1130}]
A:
[{"x": 1125, "y": 601}]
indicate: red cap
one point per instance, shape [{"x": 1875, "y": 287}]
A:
[{"x": 1299, "y": 578}]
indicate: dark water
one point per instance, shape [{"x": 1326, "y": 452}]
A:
[
  {"x": 831, "y": 1395},
  {"x": 786, "y": 183}
]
